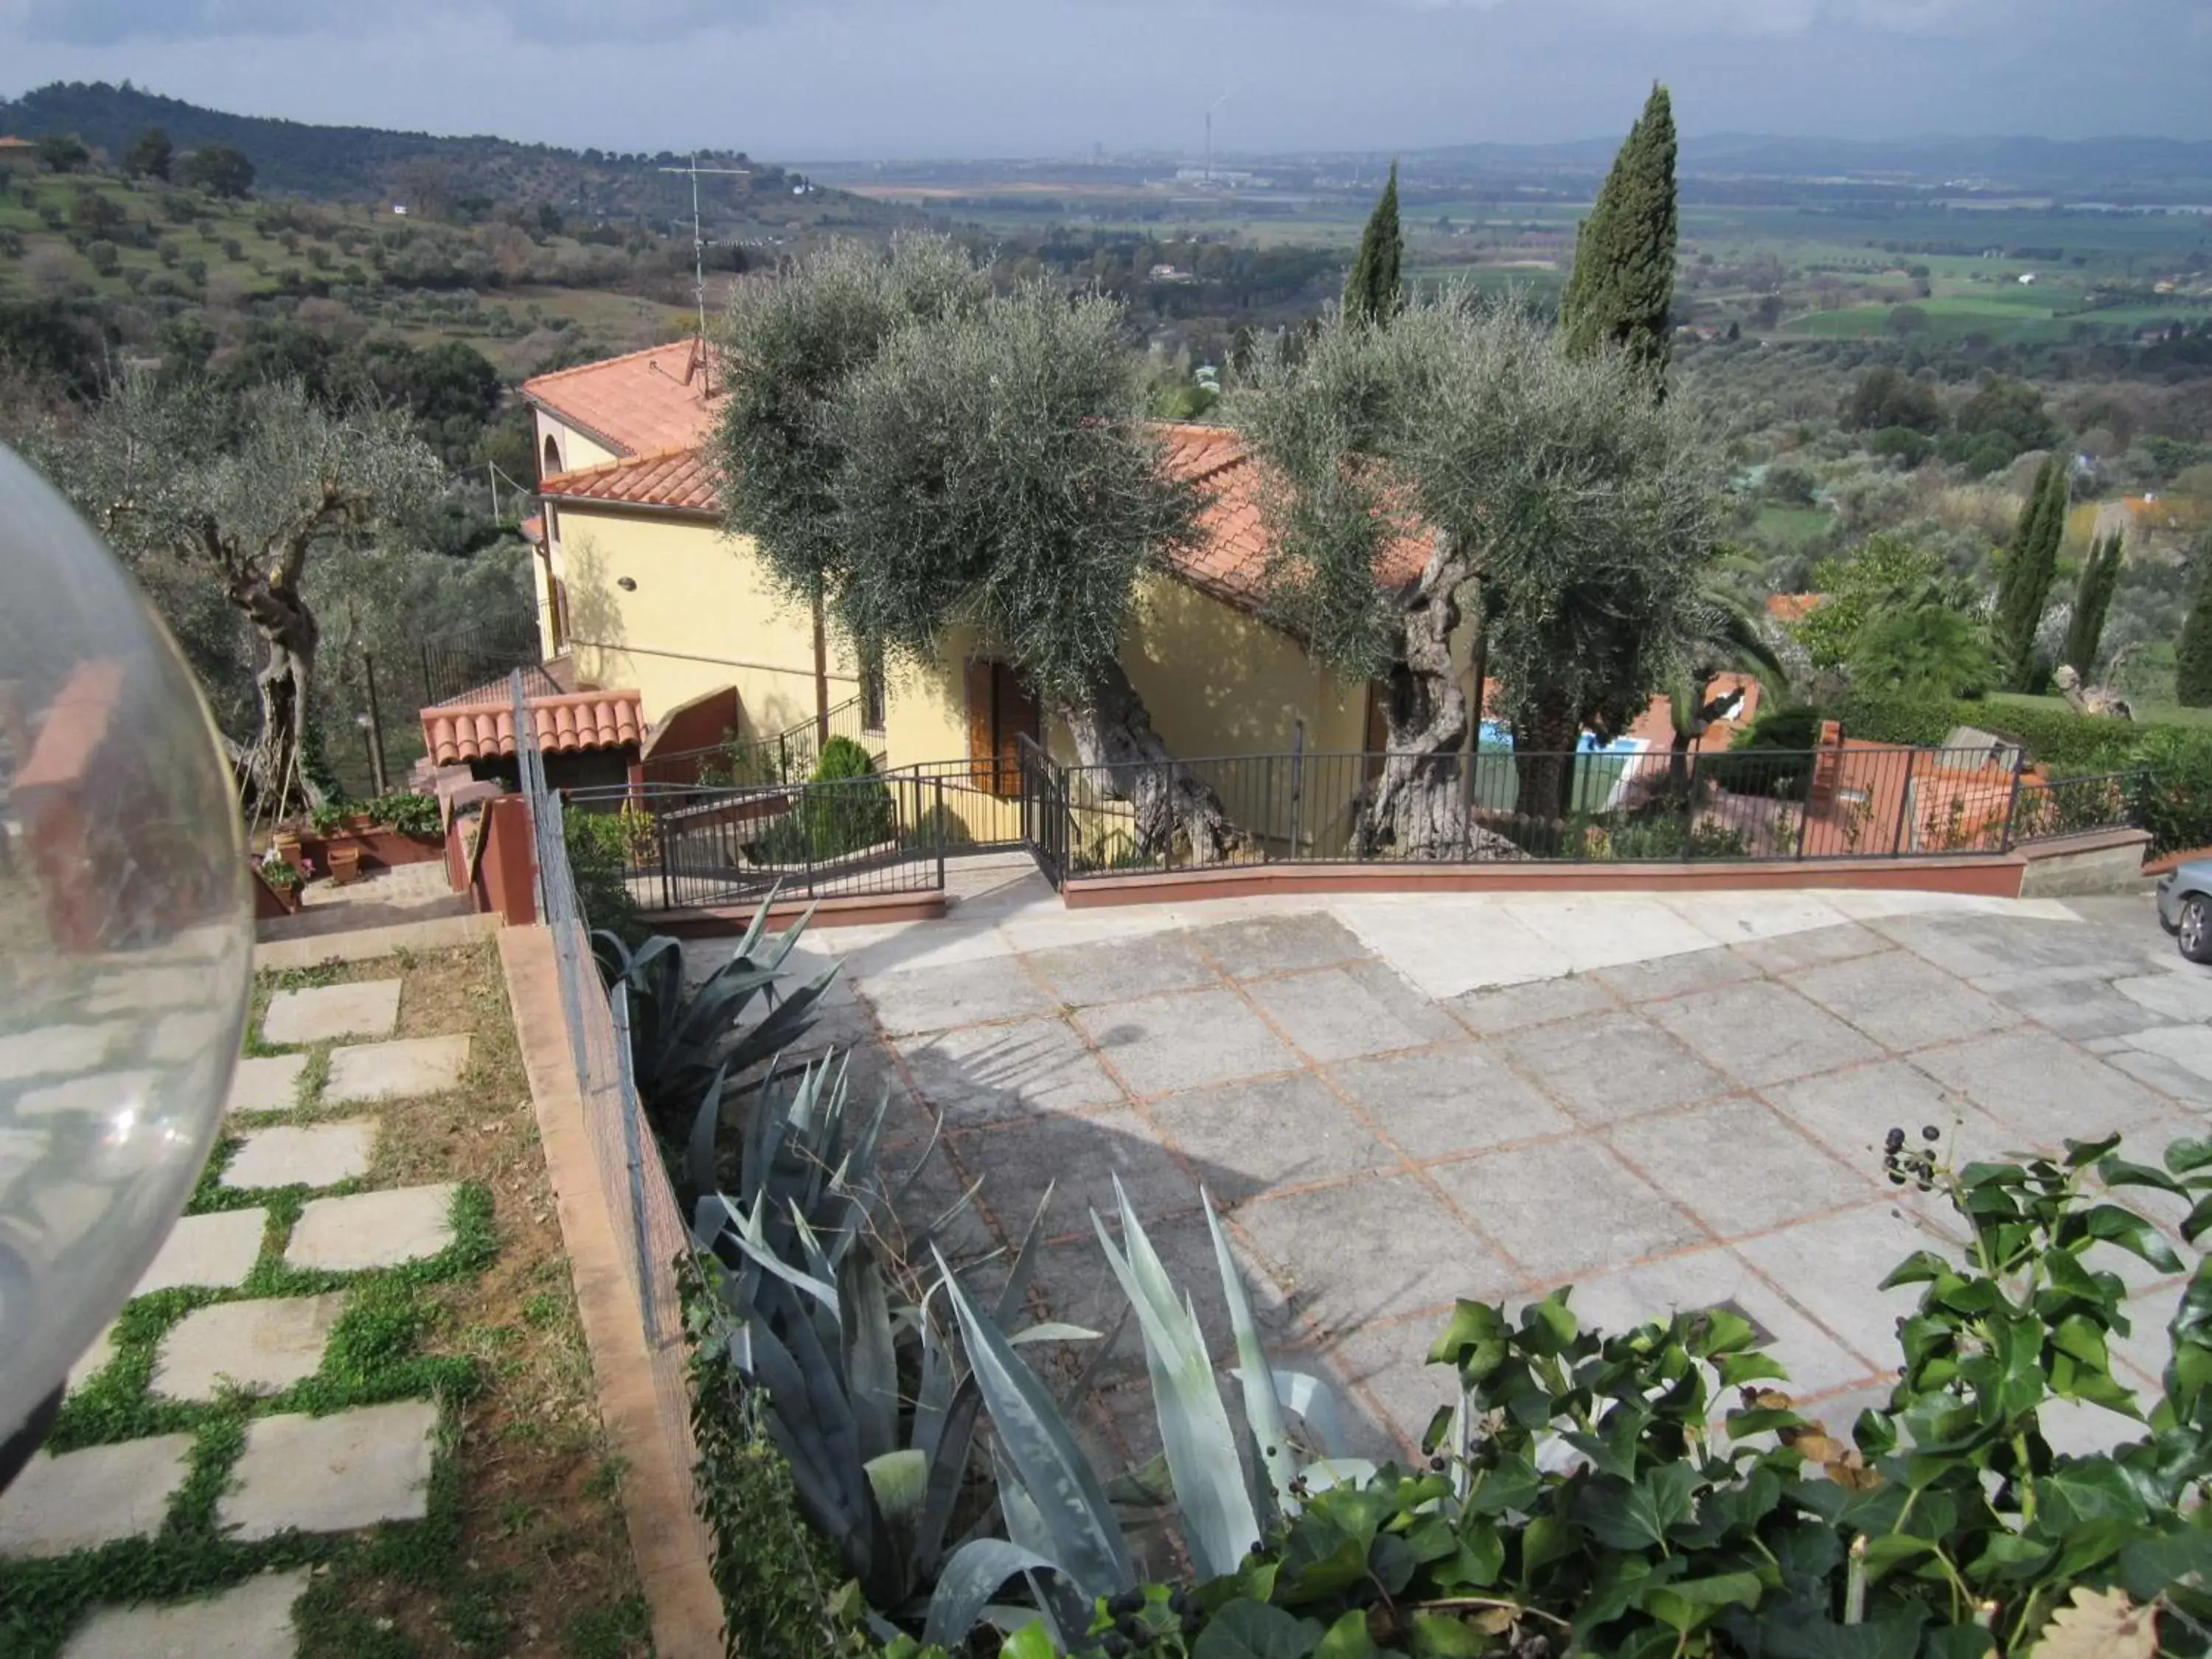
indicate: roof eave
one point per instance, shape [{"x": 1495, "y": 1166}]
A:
[{"x": 566, "y": 419}]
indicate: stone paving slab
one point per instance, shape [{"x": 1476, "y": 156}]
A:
[
  {"x": 916, "y": 999},
  {"x": 1116, "y": 970},
  {"x": 2189, "y": 1047},
  {"x": 83, "y": 1499},
  {"x": 302, "y": 1155},
  {"x": 217, "y": 1249},
  {"x": 373, "y": 1229},
  {"x": 981, "y": 1072},
  {"x": 1901, "y": 1001},
  {"x": 1347, "y": 1254},
  {"x": 1278, "y": 944},
  {"x": 2042, "y": 1087},
  {"x": 1566, "y": 1207},
  {"x": 266, "y": 1083},
  {"x": 394, "y": 1071},
  {"x": 1081, "y": 1159},
  {"x": 1738, "y": 1166},
  {"x": 1607, "y": 1066},
  {"x": 1246, "y": 1139},
  {"x": 252, "y": 1620},
  {"x": 1761, "y": 1033},
  {"x": 333, "y": 1474},
  {"x": 1831, "y": 1266},
  {"x": 1176, "y": 1043},
  {"x": 370, "y": 1008},
  {"x": 262, "y": 1347},
  {"x": 1438, "y": 1102}
]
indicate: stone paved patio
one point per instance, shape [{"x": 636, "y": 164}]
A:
[{"x": 1666, "y": 1103}]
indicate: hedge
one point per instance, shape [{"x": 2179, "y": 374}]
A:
[{"x": 2174, "y": 803}]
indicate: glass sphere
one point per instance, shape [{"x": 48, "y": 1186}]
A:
[{"x": 126, "y": 939}]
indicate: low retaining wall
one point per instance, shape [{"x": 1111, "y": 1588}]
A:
[
  {"x": 859, "y": 909},
  {"x": 1988, "y": 875},
  {"x": 2102, "y": 861}
]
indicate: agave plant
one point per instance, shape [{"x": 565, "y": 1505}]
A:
[
  {"x": 1064, "y": 1536},
  {"x": 810, "y": 1312},
  {"x": 680, "y": 1044}
]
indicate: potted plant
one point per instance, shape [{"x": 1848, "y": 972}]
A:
[
  {"x": 289, "y": 846},
  {"x": 281, "y": 879},
  {"x": 343, "y": 857}
]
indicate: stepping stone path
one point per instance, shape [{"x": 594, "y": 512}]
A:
[
  {"x": 373, "y": 1229},
  {"x": 302, "y": 1155},
  {"x": 262, "y": 1347},
  {"x": 218, "y": 1250},
  {"x": 266, "y": 1083},
  {"x": 388, "y": 1070},
  {"x": 332, "y": 1474},
  {"x": 252, "y": 1620},
  {"x": 83, "y": 1499},
  {"x": 369, "y": 1009},
  {"x": 335, "y": 1474}
]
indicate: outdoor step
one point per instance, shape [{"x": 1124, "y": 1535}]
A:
[
  {"x": 368, "y": 1009},
  {"x": 303, "y": 1155},
  {"x": 252, "y": 1620},
  {"x": 373, "y": 1229},
  {"x": 391, "y": 1071},
  {"x": 218, "y": 1250},
  {"x": 332, "y": 1474},
  {"x": 262, "y": 1347},
  {"x": 83, "y": 1499}
]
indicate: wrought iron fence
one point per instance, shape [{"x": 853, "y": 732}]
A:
[
  {"x": 781, "y": 757},
  {"x": 1622, "y": 803},
  {"x": 632, "y": 1179},
  {"x": 683, "y": 846}
]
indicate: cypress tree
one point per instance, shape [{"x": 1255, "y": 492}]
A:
[
  {"x": 2192, "y": 672},
  {"x": 1375, "y": 292},
  {"x": 2031, "y": 564},
  {"x": 2093, "y": 598},
  {"x": 1621, "y": 291}
]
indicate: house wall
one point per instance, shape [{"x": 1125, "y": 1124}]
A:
[
  {"x": 700, "y": 616},
  {"x": 577, "y": 450}
]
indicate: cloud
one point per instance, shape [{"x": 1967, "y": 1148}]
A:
[{"x": 111, "y": 22}]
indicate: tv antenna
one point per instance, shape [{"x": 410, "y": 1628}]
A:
[
  {"x": 699, "y": 249},
  {"x": 1210, "y": 108}
]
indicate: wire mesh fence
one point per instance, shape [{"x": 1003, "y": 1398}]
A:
[{"x": 633, "y": 1180}]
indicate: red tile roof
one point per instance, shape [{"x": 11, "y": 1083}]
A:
[
  {"x": 1231, "y": 562},
  {"x": 1791, "y": 607},
  {"x": 646, "y": 401},
  {"x": 675, "y": 477},
  {"x": 583, "y": 720}
]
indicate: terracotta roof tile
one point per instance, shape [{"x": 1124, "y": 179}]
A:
[
  {"x": 674, "y": 478},
  {"x": 649, "y": 400},
  {"x": 584, "y": 720},
  {"x": 1231, "y": 563},
  {"x": 1792, "y": 607}
]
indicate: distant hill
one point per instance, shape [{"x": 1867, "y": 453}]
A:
[
  {"x": 368, "y": 163},
  {"x": 2140, "y": 171}
]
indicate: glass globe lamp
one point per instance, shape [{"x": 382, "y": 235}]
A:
[{"x": 126, "y": 938}]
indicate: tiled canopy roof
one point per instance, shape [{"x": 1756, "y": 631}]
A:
[
  {"x": 668, "y": 478},
  {"x": 581, "y": 719},
  {"x": 647, "y": 401}
]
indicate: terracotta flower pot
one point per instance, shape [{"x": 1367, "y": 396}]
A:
[{"x": 344, "y": 860}]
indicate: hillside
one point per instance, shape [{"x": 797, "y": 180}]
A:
[{"x": 444, "y": 175}]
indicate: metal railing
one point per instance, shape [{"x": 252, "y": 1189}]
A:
[
  {"x": 683, "y": 846},
  {"x": 1619, "y": 803},
  {"x": 632, "y": 1179},
  {"x": 780, "y": 757}
]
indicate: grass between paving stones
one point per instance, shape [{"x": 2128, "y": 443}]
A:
[{"x": 523, "y": 1551}]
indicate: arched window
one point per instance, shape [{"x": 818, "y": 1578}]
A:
[{"x": 552, "y": 457}]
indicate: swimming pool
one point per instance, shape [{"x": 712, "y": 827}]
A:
[{"x": 1495, "y": 736}]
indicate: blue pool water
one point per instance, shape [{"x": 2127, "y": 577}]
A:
[{"x": 1495, "y": 736}]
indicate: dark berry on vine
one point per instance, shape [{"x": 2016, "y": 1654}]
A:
[
  {"x": 1894, "y": 1140},
  {"x": 1929, "y": 1131}
]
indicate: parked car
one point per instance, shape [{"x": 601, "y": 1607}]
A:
[{"x": 2184, "y": 906}]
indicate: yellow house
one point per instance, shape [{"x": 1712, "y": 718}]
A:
[{"x": 641, "y": 588}]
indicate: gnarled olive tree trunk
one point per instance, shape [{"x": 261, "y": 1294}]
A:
[
  {"x": 1178, "y": 816},
  {"x": 272, "y": 780}
]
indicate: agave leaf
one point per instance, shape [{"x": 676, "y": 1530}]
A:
[
  {"x": 900, "y": 1480},
  {"x": 611, "y": 955},
  {"x": 1088, "y": 1375},
  {"x": 1314, "y": 1402},
  {"x": 1147, "y": 1487},
  {"x": 1087, "y": 1542},
  {"x": 933, "y": 1394},
  {"x": 699, "y": 1156},
  {"x": 971, "y": 1578},
  {"x": 1025, "y": 1260},
  {"x": 758, "y": 926},
  {"x": 905, "y": 1183},
  {"x": 948, "y": 1468},
  {"x": 787, "y": 1022},
  {"x": 1049, "y": 1331},
  {"x": 1219, "y": 1523},
  {"x": 1262, "y": 1410},
  {"x": 871, "y": 1365},
  {"x": 805, "y": 1439},
  {"x": 749, "y": 1238}
]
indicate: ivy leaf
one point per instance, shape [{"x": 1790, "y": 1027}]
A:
[
  {"x": 1347, "y": 1638},
  {"x": 1897, "y": 1636},
  {"x": 2150, "y": 1566},
  {"x": 1957, "y": 1642},
  {"x": 1641, "y": 1514},
  {"x": 1475, "y": 1341},
  {"x": 2131, "y": 1233},
  {"x": 1438, "y": 1636},
  {"x": 2186, "y": 1154},
  {"x": 1031, "y": 1641},
  {"x": 1545, "y": 1539},
  {"x": 1688, "y": 1603},
  {"x": 2080, "y": 1154},
  {"x": 1245, "y": 1629},
  {"x": 2120, "y": 1172},
  {"x": 1921, "y": 1268},
  {"x": 2099, "y": 1624}
]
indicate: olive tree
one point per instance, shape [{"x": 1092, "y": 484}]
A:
[
  {"x": 925, "y": 456},
  {"x": 1546, "y": 487},
  {"x": 211, "y": 499}
]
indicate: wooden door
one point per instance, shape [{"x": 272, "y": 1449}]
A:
[{"x": 1000, "y": 712}]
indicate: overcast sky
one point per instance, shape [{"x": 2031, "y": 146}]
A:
[{"x": 824, "y": 79}]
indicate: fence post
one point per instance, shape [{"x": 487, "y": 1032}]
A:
[
  {"x": 937, "y": 814},
  {"x": 1297, "y": 783},
  {"x": 1805, "y": 807},
  {"x": 376, "y": 724},
  {"x": 1904, "y": 803},
  {"x": 2012, "y": 801}
]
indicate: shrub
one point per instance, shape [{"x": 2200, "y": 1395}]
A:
[
  {"x": 851, "y": 810},
  {"x": 1926, "y": 652},
  {"x": 598, "y": 863}
]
